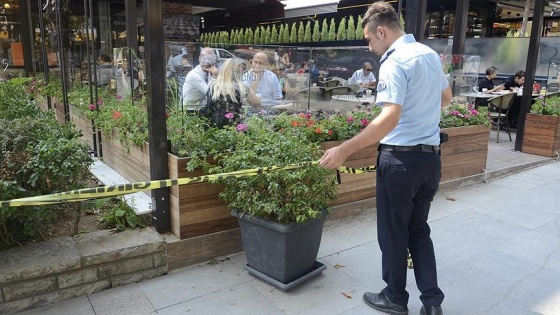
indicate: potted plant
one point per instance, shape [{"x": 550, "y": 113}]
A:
[
  {"x": 542, "y": 127},
  {"x": 281, "y": 213}
]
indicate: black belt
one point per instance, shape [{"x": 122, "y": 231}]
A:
[{"x": 409, "y": 148}]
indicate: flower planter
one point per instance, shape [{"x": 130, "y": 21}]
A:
[
  {"x": 282, "y": 255},
  {"x": 79, "y": 118},
  {"x": 356, "y": 187},
  {"x": 542, "y": 135},
  {"x": 465, "y": 153}
]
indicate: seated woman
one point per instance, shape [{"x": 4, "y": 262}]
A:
[{"x": 227, "y": 94}]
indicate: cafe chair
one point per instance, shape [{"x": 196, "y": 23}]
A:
[{"x": 498, "y": 110}]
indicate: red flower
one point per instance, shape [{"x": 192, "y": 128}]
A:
[
  {"x": 330, "y": 132},
  {"x": 295, "y": 123},
  {"x": 318, "y": 130},
  {"x": 117, "y": 115}
]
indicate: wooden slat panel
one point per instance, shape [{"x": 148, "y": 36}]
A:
[
  {"x": 542, "y": 135},
  {"x": 208, "y": 227}
]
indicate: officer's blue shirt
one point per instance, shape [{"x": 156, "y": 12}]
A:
[{"x": 411, "y": 76}]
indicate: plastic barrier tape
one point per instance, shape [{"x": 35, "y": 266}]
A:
[{"x": 124, "y": 189}]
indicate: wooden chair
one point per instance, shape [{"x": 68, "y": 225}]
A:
[{"x": 498, "y": 111}]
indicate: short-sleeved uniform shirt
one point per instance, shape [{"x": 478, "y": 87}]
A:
[
  {"x": 485, "y": 83},
  {"x": 411, "y": 76}
]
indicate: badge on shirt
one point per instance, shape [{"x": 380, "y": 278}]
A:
[{"x": 381, "y": 85}]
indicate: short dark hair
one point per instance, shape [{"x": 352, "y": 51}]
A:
[
  {"x": 381, "y": 13},
  {"x": 491, "y": 70},
  {"x": 520, "y": 74},
  {"x": 105, "y": 58}
]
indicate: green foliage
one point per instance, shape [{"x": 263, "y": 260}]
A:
[
  {"x": 38, "y": 156},
  {"x": 332, "y": 31},
  {"x": 15, "y": 101},
  {"x": 316, "y": 32},
  {"x": 325, "y": 31},
  {"x": 351, "y": 33},
  {"x": 341, "y": 34},
  {"x": 307, "y": 35},
  {"x": 249, "y": 36},
  {"x": 458, "y": 114},
  {"x": 287, "y": 196},
  {"x": 119, "y": 215},
  {"x": 301, "y": 33},
  {"x": 293, "y": 34},
  {"x": 359, "y": 28},
  {"x": 274, "y": 34},
  {"x": 267, "y": 35},
  {"x": 286, "y": 38},
  {"x": 281, "y": 34},
  {"x": 546, "y": 106},
  {"x": 257, "y": 36}
]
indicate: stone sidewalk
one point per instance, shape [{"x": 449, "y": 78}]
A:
[{"x": 497, "y": 245}]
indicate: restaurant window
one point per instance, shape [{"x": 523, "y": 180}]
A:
[{"x": 11, "y": 47}]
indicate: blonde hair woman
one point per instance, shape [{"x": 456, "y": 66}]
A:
[{"x": 227, "y": 93}]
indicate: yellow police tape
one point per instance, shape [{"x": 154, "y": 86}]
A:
[{"x": 124, "y": 189}]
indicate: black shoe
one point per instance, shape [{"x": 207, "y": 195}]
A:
[
  {"x": 381, "y": 303},
  {"x": 434, "y": 310}
]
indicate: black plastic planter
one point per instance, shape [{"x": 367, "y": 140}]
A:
[{"x": 282, "y": 255}]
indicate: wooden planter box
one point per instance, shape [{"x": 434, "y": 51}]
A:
[
  {"x": 78, "y": 118},
  {"x": 465, "y": 153},
  {"x": 542, "y": 135},
  {"x": 356, "y": 187}
]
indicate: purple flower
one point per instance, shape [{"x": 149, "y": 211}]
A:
[
  {"x": 262, "y": 112},
  {"x": 229, "y": 115},
  {"x": 91, "y": 107},
  {"x": 119, "y": 97},
  {"x": 241, "y": 127}
]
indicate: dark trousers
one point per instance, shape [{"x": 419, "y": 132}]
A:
[{"x": 406, "y": 185}]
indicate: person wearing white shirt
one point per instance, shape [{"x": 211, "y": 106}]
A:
[
  {"x": 364, "y": 77},
  {"x": 262, "y": 81},
  {"x": 198, "y": 79}
]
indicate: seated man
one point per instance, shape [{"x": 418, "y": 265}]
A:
[
  {"x": 515, "y": 81},
  {"x": 364, "y": 77},
  {"x": 262, "y": 81},
  {"x": 198, "y": 79},
  {"x": 486, "y": 83},
  {"x": 105, "y": 70}
]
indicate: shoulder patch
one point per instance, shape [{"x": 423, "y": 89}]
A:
[{"x": 381, "y": 85}]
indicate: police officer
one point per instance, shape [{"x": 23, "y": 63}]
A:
[{"x": 412, "y": 89}]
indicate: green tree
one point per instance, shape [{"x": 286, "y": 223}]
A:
[
  {"x": 351, "y": 33},
  {"x": 341, "y": 34},
  {"x": 293, "y": 34},
  {"x": 286, "y": 38},
  {"x": 263, "y": 35},
  {"x": 359, "y": 28},
  {"x": 274, "y": 34},
  {"x": 281, "y": 34},
  {"x": 225, "y": 37},
  {"x": 307, "y": 35},
  {"x": 325, "y": 31},
  {"x": 267, "y": 35},
  {"x": 249, "y": 39},
  {"x": 332, "y": 30},
  {"x": 316, "y": 33},
  {"x": 202, "y": 38},
  {"x": 301, "y": 33},
  {"x": 257, "y": 36}
]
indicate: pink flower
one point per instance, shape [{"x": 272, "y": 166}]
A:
[
  {"x": 350, "y": 119},
  {"x": 229, "y": 115},
  {"x": 100, "y": 102},
  {"x": 117, "y": 115},
  {"x": 241, "y": 127},
  {"x": 92, "y": 107},
  {"x": 119, "y": 97},
  {"x": 467, "y": 116},
  {"x": 364, "y": 122}
]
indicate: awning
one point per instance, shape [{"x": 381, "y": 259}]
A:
[{"x": 317, "y": 9}]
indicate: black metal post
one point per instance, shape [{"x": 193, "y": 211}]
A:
[
  {"x": 62, "y": 63},
  {"x": 415, "y": 19},
  {"x": 157, "y": 131},
  {"x": 26, "y": 36},
  {"x": 531, "y": 67},
  {"x": 44, "y": 48},
  {"x": 460, "y": 31},
  {"x": 131, "y": 39}
]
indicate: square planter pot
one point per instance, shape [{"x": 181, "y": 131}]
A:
[
  {"x": 542, "y": 135},
  {"x": 284, "y": 253},
  {"x": 465, "y": 153}
]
